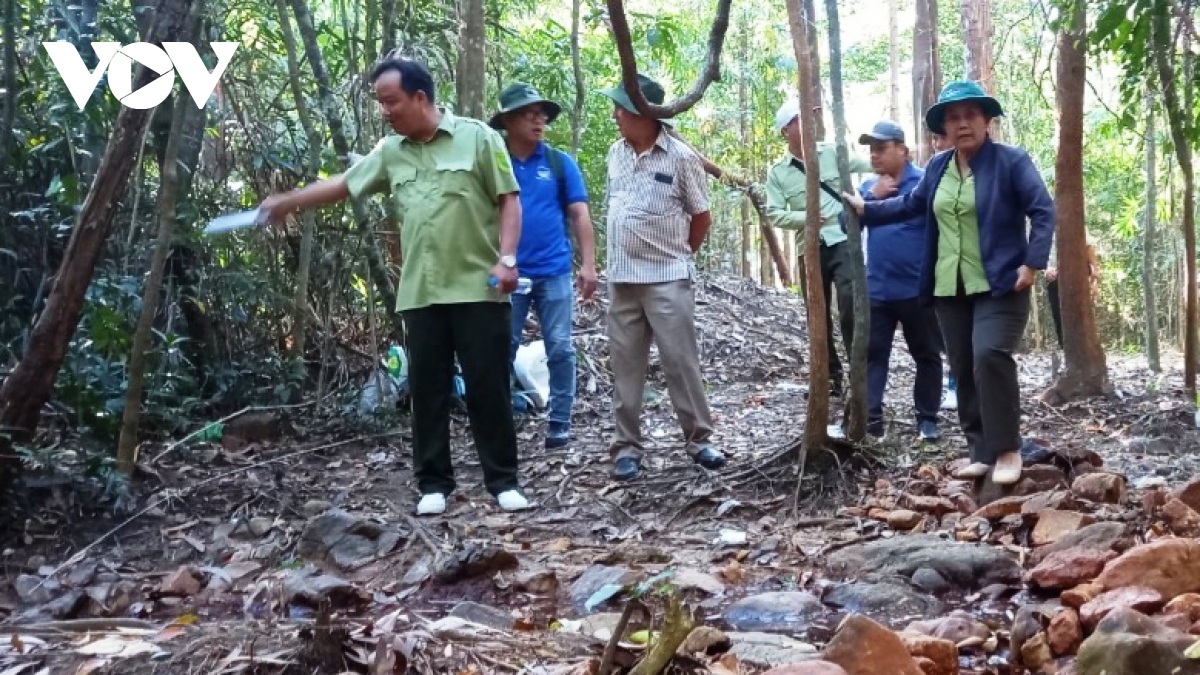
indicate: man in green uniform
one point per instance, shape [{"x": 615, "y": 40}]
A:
[
  {"x": 454, "y": 190},
  {"x": 786, "y": 195}
]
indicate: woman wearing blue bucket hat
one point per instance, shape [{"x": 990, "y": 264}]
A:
[{"x": 979, "y": 265}]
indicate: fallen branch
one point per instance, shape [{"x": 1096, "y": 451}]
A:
[
  {"x": 677, "y": 623},
  {"x": 610, "y": 650},
  {"x": 81, "y": 626}
]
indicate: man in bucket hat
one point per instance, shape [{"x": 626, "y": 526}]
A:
[
  {"x": 657, "y": 219},
  {"x": 553, "y": 200}
]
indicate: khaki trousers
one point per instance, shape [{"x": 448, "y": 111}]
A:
[{"x": 664, "y": 312}]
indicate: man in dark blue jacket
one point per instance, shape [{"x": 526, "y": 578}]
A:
[{"x": 894, "y": 255}]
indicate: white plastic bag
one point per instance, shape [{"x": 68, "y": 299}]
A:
[{"x": 533, "y": 373}]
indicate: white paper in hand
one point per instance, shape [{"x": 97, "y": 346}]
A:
[{"x": 233, "y": 221}]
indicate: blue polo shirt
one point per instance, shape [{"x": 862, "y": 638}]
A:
[
  {"x": 545, "y": 247},
  {"x": 895, "y": 250}
]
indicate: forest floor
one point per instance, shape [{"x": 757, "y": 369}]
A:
[{"x": 298, "y": 552}]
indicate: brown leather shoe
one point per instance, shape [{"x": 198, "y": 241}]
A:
[{"x": 1008, "y": 468}]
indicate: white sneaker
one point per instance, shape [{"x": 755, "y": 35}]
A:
[
  {"x": 950, "y": 401},
  {"x": 431, "y": 504},
  {"x": 512, "y": 500}
]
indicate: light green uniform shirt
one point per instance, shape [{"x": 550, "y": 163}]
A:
[
  {"x": 787, "y": 192},
  {"x": 958, "y": 236},
  {"x": 447, "y": 194}
]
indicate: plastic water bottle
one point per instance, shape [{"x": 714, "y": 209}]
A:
[
  {"x": 524, "y": 285},
  {"x": 397, "y": 363}
]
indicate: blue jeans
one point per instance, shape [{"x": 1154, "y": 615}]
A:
[{"x": 553, "y": 299}]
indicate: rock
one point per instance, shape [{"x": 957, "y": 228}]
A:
[
  {"x": 930, "y": 581},
  {"x": 1006, "y": 506},
  {"x": 1181, "y": 518},
  {"x": 1060, "y": 500},
  {"x": 1029, "y": 622},
  {"x": 808, "y": 668},
  {"x": 1081, "y": 594},
  {"x": 1098, "y": 537},
  {"x": 1189, "y": 494},
  {"x": 1177, "y": 622},
  {"x": 82, "y": 574},
  {"x": 630, "y": 552},
  {"x": 261, "y": 525},
  {"x": 1170, "y": 566},
  {"x": 938, "y": 506},
  {"x": 903, "y": 519},
  {"x": 942, "y": 654},
  {"x": 1035, "y": 652},
  {"x": 768, "y": 650},
  {"x": 315, "y": 507},
  {"x": 313, "y": 588},
  {"x": 1141, "y": 598},
  {"x": 475, "y": 560},
  {"x": 958, "y": 627},
  {"x": 704, "y": 640},
  {"x": 1067, "y": 569},
  {"x": 343, "y": 541},
  {"x": 418, "y": 572},
  {"x": 686, "y": 578},
  {"x": 1128, "y": 642},
  {"x": 539, "y": 582},
  {"x": 967, "y": 566},
  {"x": 1103, "y": 487},
  {"x": 1045, "y": 476},
  {"x": 596, "y": 577},
  {"x": 602, "y": 625},
  {"x": 882, "y": 601},
  {"x": 185, "y": 581},
  {"x": 1064, "y": 633},
  {"x": 1153, "y": 500},
  {"x": 66, "y": 606},
  {"x": 863, "y": 647},
  {"x": 1053, "y": 525},
  {"x": 1187, "y": 604},
  {"x": 783, "y": 611},
  {"x": 34, "y": 590},
  {"x": 483, "y": 614}
]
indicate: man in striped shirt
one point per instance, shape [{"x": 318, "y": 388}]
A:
[{"x": 657, "y": 219}]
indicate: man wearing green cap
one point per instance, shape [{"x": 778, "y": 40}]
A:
[
  {"x": 553, "y": 198},
  {"x": 657, "y": 219},
  {"x": 786, "y": 207}
]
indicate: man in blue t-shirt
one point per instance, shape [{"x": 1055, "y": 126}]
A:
[
  {"x": 894, "y": 255},
  {"x": 554, "y": 202}
]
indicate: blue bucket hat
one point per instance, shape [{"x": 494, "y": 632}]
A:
[{"x": 961, "y": 91}]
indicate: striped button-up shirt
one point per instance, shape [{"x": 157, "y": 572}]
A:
[{"x": 651, "y": 200}]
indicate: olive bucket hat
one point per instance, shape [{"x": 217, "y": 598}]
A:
[
  {"x": 652, "y": 90},
  {"x": 518, "y": 95},
  {"x": 961, "y": 91}
]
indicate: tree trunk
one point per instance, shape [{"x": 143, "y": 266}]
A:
[
  {"x": 747, "y": 229},
  {"x": 30, "y": 384},
  {"x": 379, "y": 274},
  {"x": 814, "y": 94},
  {"x": 856, "y": 406},
  {"x": 10, "y": 79},
  {"x": 168, "y": 201},
  {"x": 926, "y": 74},
  {"x": 1086, "y": 373},
  {"x": 980, "y": 62},
  {"x": 893, "y": 59},
  {"x": 577, "y": 70},
  {"x": 370, "y": 55},
  {"x": 1150, "y": 302},
  {"x": 471, "y": 72},
  {"x": 815, "y": 432},
  {"x": 1178, "y": 120},
  {"x": 387, "y": 38}
]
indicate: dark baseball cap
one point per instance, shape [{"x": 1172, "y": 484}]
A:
[{"x": 884, "y": 130}]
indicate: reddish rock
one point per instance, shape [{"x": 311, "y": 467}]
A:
[
  {"x": 1005, "y": 506},
  {"x": 852, "y": 512},
  {"x": 956, "y": 628},
  {"x": 1061, "y": 500},
  {"x": 1195, "y": 629},
  {"x": 1153, "y": 500},
  {"x": 942, "y": 654},
  {"x": 1099, "y": 537},
  {"x": 1170, "y": 566},
  {"x": 1181, "y": 518},
  {"x": 808, "y": 668},
  {"x": 1141, "y": 598},
  {"x": 1177, "y": 622},
  {"x": 1053, "y": 525},
  {"x": 1187, "y": 604},
  {"x": 1035, "y": 652},
  {"x": 1068, "y": 569},
  {"x": 878, "y": 513},
  {"x": 1045, "y": 476},
  {"x": 903, "y": 519},
  {"x": 1076, "y": 597},
  {"x": 1064, "y": 633},
  {"x": 863, "y": 647},
  {"x": 938, "y": 506},
  {"x": 1189, "y": 494},
  {"x": 1103, "y": 487}
]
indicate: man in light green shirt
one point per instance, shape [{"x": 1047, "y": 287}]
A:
[
  {"x": 453, "y": 187},
  {"x": 787, "y": 208}
]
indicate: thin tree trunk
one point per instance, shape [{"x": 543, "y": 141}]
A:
[
  {"x": 1149, "y": 299},
  {"x": 980, "y": 61},
  {"x": 856, "y": 408},
  {"x": 815, "y": 431},
  {"x": 471, "y": 75},
  {"x": 926, "y": 73},
  {"x": 747, "y": 229},
  {"x": 577, "y": 70},
  {"x": 370, "y": 52},
  {"x": 30, "y": 384},
  {"x": 1086, "y": 373},
  {"x": 10, "y": 79},
  {"x": 814, "y": 95},
  {"x": 893, "y": 58},
  {"x": 308, "y": 35},
  {"x": 387, "y": 38}
]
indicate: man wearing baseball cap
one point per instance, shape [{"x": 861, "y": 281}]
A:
[
  {"x": 895, "y": 251},
  {"x": 786, "y": 206}
]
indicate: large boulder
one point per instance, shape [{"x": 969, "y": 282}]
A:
[
  {"x": 1169, "y": 566},
  {"x": 1128, "y": 642},
  {"x": 967, "y": 566}
]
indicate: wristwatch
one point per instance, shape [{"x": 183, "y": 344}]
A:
[{"x": 509, "y": 261}]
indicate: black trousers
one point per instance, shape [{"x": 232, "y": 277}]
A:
[
  {"x": 1055, "y": 309},
  {"x": 479, "y": 334},
  {"x": 982, "y": 331},
  {"x": 835, "y": 272},
  {"x": 920, "y": 333}
]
